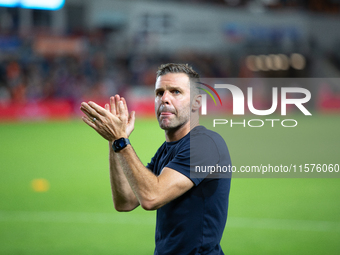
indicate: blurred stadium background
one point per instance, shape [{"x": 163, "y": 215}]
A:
[{"x": 54, "y": 187}]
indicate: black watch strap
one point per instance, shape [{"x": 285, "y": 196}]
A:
[{"x": 120, "y": 144}]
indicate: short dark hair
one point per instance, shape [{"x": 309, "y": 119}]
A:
[
  {"x": 181, "y": 68},
  {"x": 177, "y": 68}
]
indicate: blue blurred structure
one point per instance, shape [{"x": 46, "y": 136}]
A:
[{"x": 34, "y": 4}]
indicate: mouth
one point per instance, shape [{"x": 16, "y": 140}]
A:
[{"x": 166, "y": 113}]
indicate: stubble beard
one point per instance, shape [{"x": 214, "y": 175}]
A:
[{"x": 176, "y": 121}]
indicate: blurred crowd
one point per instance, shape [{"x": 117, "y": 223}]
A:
[{"x": 26, "y": 75}]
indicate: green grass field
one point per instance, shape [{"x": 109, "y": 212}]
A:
[{"x": 76, "y": 215}]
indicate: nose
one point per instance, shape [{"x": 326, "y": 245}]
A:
[{"x": 165, "y": 97}]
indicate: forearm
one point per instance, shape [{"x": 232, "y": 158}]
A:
[
  {"x": 123, "y": 197},
  {"x": 132, "y": 183},
  {"x": 142, "y": 181}
]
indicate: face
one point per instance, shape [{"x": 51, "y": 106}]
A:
[{"x": 172, "y": 100}]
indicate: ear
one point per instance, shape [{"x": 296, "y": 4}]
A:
[{"x": 196, "y": 102}]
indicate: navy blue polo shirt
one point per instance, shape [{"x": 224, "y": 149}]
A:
[{"x": 194, "y": 222}]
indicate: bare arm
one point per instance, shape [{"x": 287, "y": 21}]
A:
[
  {"x": 122, "y": 194},
  {"x": 123, "y": 197},
  {"x": 151, "y": 191}
]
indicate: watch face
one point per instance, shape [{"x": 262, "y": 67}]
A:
[{"x": 120, "y": 143}]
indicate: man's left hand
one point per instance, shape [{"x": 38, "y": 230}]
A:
[{"x": 109, "y": 126}]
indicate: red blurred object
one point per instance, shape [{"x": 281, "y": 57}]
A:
[
  {"x": 328, "y": 102},
  {"x": 45, "y": 110},
  {"x": 143, "y": 106}
]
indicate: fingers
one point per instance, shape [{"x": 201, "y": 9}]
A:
[
  {"x": 125, "y": 105},
  {"x": 117, "y": 100},
  {"x": 132, "y": 117},
  {"x": 88, "y": 111},
  {"x": 122, "y": 111},
  {"x": 108, "y": 125},
  {"x": 93, "y": 110},
  {"x": 113, "y": 105},
  {"x": 116, "y": 107},
  {"x": 97, "y": 108},
  {"x": 89, "y": 122}
]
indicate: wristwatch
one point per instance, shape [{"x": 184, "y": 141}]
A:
[{"x": 120, "y": 144}]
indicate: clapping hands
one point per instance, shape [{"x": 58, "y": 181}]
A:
[{"x": 111, "y": 122}]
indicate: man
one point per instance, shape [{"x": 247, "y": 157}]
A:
[{"x": 191, "y": 212}]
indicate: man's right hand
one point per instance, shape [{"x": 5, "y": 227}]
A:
[{"x": 130, "y": 117}]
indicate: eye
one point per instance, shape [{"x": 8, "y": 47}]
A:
[
  {"x": 176, "y": 92},
  {"x": 159, "y": 93}
]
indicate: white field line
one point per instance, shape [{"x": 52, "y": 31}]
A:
[
  {"x": 76, "y": 217},
  {"x": 135, "y": 219},
  {"x": 284, "y": 224}
]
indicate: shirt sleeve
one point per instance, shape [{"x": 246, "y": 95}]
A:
[
  {"x": 151, "y": 164},
  {"x": 200, "y": 152}
]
